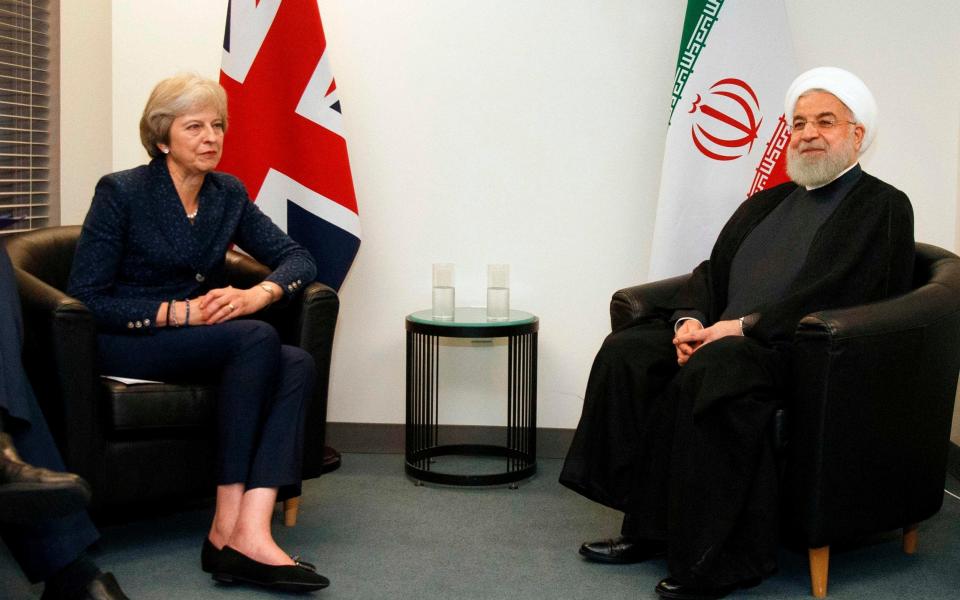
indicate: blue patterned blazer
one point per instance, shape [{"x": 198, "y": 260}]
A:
[{"x": 138, "y": 249}]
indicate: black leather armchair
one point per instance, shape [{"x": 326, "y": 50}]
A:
[
  {"x": 145, "y": 442},
  {"x": 865, "y": 436}
]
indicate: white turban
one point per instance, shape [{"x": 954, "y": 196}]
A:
[{"x": 846, "y": 86}]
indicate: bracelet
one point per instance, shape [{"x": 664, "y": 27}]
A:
[
  {"x": 173, "y": 314},
  {"x": 741, "y": 325},
  {"x": 267, "y": 289},
  {"x": 186, "y": 320}
]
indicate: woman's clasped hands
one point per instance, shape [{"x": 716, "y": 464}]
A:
[
  {"x": 219, "y": 305},
  {"x": 223, "y": 304}
]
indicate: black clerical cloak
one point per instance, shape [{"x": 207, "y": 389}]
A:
[
  {"x": 862, "y": 253},
  {"x": 685, "y": 451}
]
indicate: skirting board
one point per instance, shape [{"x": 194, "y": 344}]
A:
[{"x": 387, "y": 438}]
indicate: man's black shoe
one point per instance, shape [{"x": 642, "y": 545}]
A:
[
  {"x": 102, "y": 587},
  {"x": 623, "y": 550},
  {"x": 673, "y": 589},
  {"x": 29, "y": 494}
]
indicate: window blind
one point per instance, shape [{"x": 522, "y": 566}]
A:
[{"x": 25, "y": 109}]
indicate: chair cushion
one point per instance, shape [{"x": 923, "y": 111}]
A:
[{"x": 158, "y": 407}]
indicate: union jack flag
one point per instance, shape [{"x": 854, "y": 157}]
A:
[{"x": 285, "y": 139}]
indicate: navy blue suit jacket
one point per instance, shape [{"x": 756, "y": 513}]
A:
[{"x": 138, "y": 249}]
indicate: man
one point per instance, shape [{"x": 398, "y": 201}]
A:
[
  {"x": 43, "y": 523},
  {"x": 675, "y": 418}
]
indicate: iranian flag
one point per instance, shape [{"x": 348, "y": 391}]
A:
[{"x": 727, "y": 137}]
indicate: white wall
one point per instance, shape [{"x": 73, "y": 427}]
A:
[
  {"x": 529, "y": 133},
  {"x": 86, "y": 148},
  {"x": 910, "y": 59}
]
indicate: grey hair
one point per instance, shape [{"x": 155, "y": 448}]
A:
[{"x": 173, "y": 97}]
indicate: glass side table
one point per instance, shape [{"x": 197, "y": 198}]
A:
[{"x": 423, "y": 343}]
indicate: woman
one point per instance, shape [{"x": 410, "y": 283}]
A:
[{"x": 150, "y": 266}]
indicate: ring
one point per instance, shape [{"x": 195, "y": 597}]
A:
[{"x": 231, "y": 307}]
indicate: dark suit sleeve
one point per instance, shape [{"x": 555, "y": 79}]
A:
[
  {"x": 293, "y": 267},
  {"x": 97, "y": 260}
]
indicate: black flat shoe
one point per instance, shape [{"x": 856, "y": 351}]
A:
[
  {"x": 209, "y": 556},
  {"x": 234, "y": 567},
  {"x": 623, "y": 550},
  {"x": 673, "y": 589}
]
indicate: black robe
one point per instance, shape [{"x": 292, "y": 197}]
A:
[
  {"x": 684, "y": 452},
  {"x": 862, "y": 253}
]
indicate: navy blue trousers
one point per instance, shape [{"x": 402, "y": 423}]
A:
[
  {"x": 263, "y": 391},
  {"x": 41, "y": 550}
]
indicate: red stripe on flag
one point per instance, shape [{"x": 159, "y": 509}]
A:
[
  {"x": 772, "y": 170},
  {"x": 265, "y": 131}
]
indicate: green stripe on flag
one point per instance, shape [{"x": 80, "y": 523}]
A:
[{"x": 697, "y": 24}]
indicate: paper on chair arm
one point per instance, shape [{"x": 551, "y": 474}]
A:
[{"x": 129, "y": 380}]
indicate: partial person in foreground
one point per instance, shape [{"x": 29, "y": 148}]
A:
[
  {"x": 150, "y": 266},
  {"x": 677, "y": 407},
  {"x": 42, "y": 520}
]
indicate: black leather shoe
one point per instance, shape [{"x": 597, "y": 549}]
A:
[
  {"x": 234, "y": 567},
  {"x": 103, "y": 587},
  {"x": 209, "y": 556},
  {"x": 623, "y": 550},
  {"x": 29, "y": 494},
  {"x": 671, "y": 588}
]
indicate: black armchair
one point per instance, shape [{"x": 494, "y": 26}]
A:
[
  {"x": 867, "y": 428},
  {"x": 145, "y": 442}
]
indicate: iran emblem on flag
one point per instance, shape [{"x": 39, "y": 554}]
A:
[
  {"x": 285, "y": 139},
  {"x": 727, "y": 136}
]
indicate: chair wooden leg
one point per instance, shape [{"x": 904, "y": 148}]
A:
[
  {"x": 819, "y": 566},
  {"x": 291, "y": 507},
  {"x": 910, "y": 538}
]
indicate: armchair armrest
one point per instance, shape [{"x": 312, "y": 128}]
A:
[
  {"x": 316, "y": 325},
  {"x": 632, "y": 303},
  {"x": 862, "y": 448},
  {"x": 243, "y": 271},
  {"x": 59, "y": 355}
]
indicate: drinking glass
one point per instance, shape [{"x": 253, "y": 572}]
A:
[
  {"x": 498, "y": 292},
  {"x": 443, "y": 291}
]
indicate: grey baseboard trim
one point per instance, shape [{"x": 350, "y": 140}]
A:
[
  {"x": 953, "y": 461},
  {"x": 388, "y": 438}
]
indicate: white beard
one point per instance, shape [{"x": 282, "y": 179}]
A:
[{"x": 816, "y": 171}]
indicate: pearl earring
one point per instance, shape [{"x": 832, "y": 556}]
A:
[{"x": 165, "y": 150}]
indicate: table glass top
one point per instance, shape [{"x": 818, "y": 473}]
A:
[{"x": 471, "y": 316}]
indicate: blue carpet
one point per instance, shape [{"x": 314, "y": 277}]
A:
[{"x": 377, "y": 535}]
